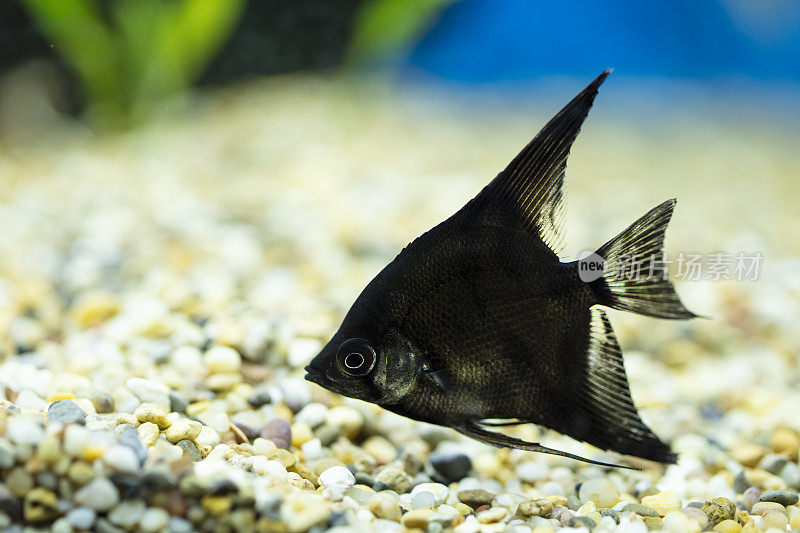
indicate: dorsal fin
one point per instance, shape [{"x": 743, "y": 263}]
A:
[{"x": 531, "y": 185}]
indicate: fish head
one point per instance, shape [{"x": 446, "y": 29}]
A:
[{"x": 374, "y": 364}]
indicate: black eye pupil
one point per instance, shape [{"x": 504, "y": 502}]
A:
[
  {"x": 356, "y": 357},
  {"x": 353, "y": 360}
]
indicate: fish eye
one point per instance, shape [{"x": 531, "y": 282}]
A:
[{"x": 356, "y": 357}]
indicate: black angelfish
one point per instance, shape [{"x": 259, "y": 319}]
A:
[{"x": 478, "y": 319}]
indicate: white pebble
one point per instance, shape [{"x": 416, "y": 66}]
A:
[
  {"x": 337, "y": 477},
  {"x": 439, "y": 492},
  {"x": 312, "y": 449},
  {"x": 423, "y": 499},
  {"x": 312, "y": 414},
  {"x": 25, "y": 430},
  {"x": 100, "y": 494},
  {"x": 222, "y": 359},
  {"x": 302, "y": 351},
  {"x": 149, "y": 391},
  {"x": 154, "y": 519},
  {"x": 121, "y": 459},
  {"x": 531, "y": 471}
]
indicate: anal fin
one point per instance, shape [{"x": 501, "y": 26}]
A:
[{"x": 475, "y": 431}]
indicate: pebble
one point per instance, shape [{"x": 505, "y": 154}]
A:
[
  {"x": 492, "y": 516},
  {"x": 99, "y": 494},
  {"x": 148, "y": 433},
  {"x": 718, "y": 510},
  {"x": 149, "y": 391},
  {"x": 222, "y": 359},
  {"x": 278, "y": 431},
  {"x": 423, "y": 499},
  {"x": 417, "y": 519},
  {"x": 783, "y": 497},
  {"x": 183, "y": 429},
  {"x": 189, "y": 450},
  {"x": 65, "y": 412},
  {"x": 122, "y": 459},
  {"x": 477, "y": 497},
  {"x": 774, "y": 519},
  {"x": 451, "y": 466},
  {"x": 536, "y": 507},
  {"x": 127, "y": 514},
  {"x": 437, "y": 490},
  {"x": 337, "y": 477},
  {"x": 663, "y": 502},
  {"x": 384, "y": 506},
  {"x": 641, "y": 510},
  {"x": 25, "y": 430},
  {"x": 154, "y": 520},
  {"x": 40, "y": 505},
  {"x": 582, "y": 521},
  {"x": 81, "y": 517},
  {"x": 394, "y": 479},
  {"x": 152, "y": 413},
  {"x": 728, "y": 526},
  {"x": 313, "y": 414},
  {"x": 600, "y": 491},
  {"x": 761, "y": 508}
]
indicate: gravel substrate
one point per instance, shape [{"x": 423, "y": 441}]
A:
[{"x": 160, "y": 293}]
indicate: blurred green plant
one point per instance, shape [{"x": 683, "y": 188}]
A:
[
  {"x": 132, "y": 55},
  {"x": 386, "y": 28}
]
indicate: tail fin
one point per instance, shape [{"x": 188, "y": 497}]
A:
[{"x": 635, "y": 277}]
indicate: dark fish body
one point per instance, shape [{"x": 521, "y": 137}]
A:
[{"x": 478, "y": 319}]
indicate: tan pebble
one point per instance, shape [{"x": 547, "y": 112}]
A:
[
  {"x": 750, "y": 527},
  {"x": 381, "y": 449},
  {"x": 183, "y": 429},
  {"x": 728, "y": 526},
  {"x": 126, "y": 418},
  {"x": 223, "y": 382},
  {"x": 263, "y": 446},
  {"x": 204, "y": 449},
  {"x": 749, "y": 454},
  {"x": 221, "y": 359},
  {"x": 301, "y": 433},
  {"x": 418, "y": 518},
  {"x": 794, "y": 517},
  {"x": 653, "y": 522},
  {"x": 94, "y": 308},
  {"x": 742, "y": 517},
  {"x": 543, "y": 529},
  {"x": 774, "y": 519},
  {"x": 215, "y": 505},
  {"x": 148, "y": 433},
  {"x": 303, "y": 472},
  {"x": 786, "y": 442},
  {"x": 284, "y": 457},
  {"x": 49, "y": 449},
  {"x": 462, "y": 508},
  {"x": 536, "y": 507},
  {"x": 697, "y": 515},
  {"x": 586, "y": 509},
  {"x": 384, "y": 506},
  {"x": 150, "y": 413},
  {"x": 80, "y": 473},
  {"x": 492, "y": 516},
  {"x": 761, "y": 508},
  {"x": 600, "y": 491},
  {"x": 663, "y": 502},
  {"x": 92, "y": 453},
  {"x": 718, "y": 510}
]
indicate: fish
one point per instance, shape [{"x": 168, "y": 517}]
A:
[{"x": 478, "y": 323}]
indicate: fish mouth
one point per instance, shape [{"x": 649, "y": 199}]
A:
[{"x": 315, "y": 375}]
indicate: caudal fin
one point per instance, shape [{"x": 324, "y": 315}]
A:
[{"x": 635, "y": 277}]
